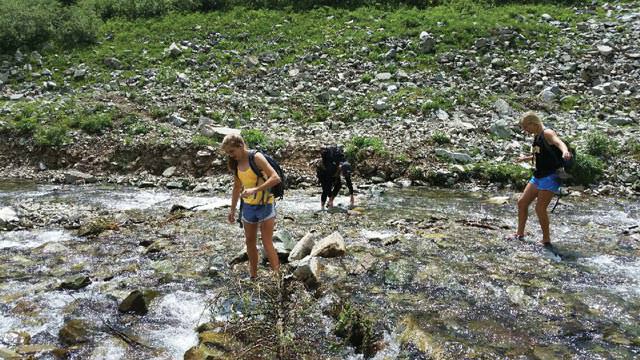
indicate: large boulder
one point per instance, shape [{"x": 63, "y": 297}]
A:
[
  {"x": 303, "y": 247},
  {"x": 331, "y": 246},
  {"x": 308, "y": 271}
]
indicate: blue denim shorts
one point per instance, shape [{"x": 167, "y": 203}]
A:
[
  {"x": 255, "y": 214},
  {"x": 550, "y": 182}
]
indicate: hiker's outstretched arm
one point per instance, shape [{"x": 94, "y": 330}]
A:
[{"x": 553, "y": 139}]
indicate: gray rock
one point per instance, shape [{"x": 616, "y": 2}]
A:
[
  {"x": 331, "y": 246},
  {"x": 174, "y": 49},
  {"x": 176, "y": 185},
  {"x": 548, "y": 95},
  {"x": 383, "y": 76},
  {"x": 79, "y": 73},
  {"x": 49, "y": 85},
  {"x": 308, "y": 271},
  {"x": 16, "y": 96},
  {"x": 8, "y": 217},
  {"x": 78, "y": 177},
  {"x": 619, "y": 120},
  {"x": 169, "y": 172},
  {"x": 502, "y": 107},
  {"x": 442, "y": 115},
  {"x": 501, "y": 129},
  {"x": 459, "y": 157},
  {"x": 381, "y": 105},
  {"x": 217, "y": 132},
  {"x": 605, "y": 50},
  {"x": 427, "y": 43},
  {"x": 182, "y": 79},
  {"x": 303, "y": 247},
  {"x": 547, "y": 17},
  {"x": 284, "y": 236},
  {"x": 252, "y": 61},
  {"x": 177, "y": 120},
  {"x": 112, "y": 63}
]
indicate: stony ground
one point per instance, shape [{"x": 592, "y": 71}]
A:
[{"x": 402, "y": 117}]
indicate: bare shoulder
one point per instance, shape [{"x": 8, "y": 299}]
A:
[{"x": 549, "y": 134}]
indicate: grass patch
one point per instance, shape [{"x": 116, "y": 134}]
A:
[
  {"x": 506, "y": 173},
  {"x": 359, "y": 146},
  {"x": 600, "y": 145}
]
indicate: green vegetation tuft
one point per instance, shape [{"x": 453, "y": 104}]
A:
[
  {"x": 600, "y": 145},
  {"x": 358, "y": 146}
]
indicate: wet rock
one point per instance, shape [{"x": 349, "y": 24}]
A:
[
  {"x": 76, "y": 283},
  {"x": 331, "y": 246},
  {"x": 76, "y": 177},
  {"x": 9, "y": 354},
  {"x": 15, "y": 338},
  {"x": 74, "y": 332},
  {"x": 135, "y": 303},
  {"x": 213, "y": 345},
  {"x": 8, "y": 218},
  {"x": 97, "y": 226},
  {"x": 284, "y": 236},
  {"x": 308, "y": 271},
  {"x": 40, "y": 350},
  {"x": 303, "y": 247}
]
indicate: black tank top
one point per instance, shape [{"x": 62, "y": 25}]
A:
[{"x": 546, "y": 156}]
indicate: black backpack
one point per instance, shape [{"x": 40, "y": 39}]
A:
[
  {"x": 560, "y": 162},
  {"x": 278, "y": 190}
]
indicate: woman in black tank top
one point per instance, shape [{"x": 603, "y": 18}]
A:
[{"x": 544, "y": 183}]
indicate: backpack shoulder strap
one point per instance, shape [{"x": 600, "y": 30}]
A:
[{"x": 253, "y": 165}]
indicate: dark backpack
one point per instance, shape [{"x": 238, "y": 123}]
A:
[
  {"x": 278, "y": 190},
  {"x": 568, "y": 165}
]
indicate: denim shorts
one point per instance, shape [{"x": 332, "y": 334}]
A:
[
  {"x": 255, "y": 214},
  {"x": 550, "y": 182}
]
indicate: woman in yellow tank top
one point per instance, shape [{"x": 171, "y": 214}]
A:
[{"x": 258, "y": 209}]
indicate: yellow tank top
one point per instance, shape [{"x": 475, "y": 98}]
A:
[{"x": 249, "y": 179}]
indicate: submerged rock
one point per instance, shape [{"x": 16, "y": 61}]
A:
[
  {"x": 76, "y": 283},
  {"x": 135, "y": 303},
  {"x": 74, "y": 332}
]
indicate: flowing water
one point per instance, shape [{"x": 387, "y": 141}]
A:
[{"x": 432, "y": 268}]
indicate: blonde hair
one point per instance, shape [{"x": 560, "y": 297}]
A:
[
  {"x": 530, "y": 117},
  {"x": 232, "y": 140}
]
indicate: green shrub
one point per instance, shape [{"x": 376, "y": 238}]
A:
[
  {"x": 355, "y": 147},
  {"x": 26, "y": 22},
  {"x": 202, "y": 140},
  {"x": 357, "y": 329},
  {"x": 586, "y": 170},
  {"x": 95, "y": 123},
  {"x": 600, "y": 145},
  {"x": 78, "y": 26},
  {"x": 254, "y": 138},
  {"x": 440, "y": 137},
  {"x": 502, "y": 173},
  {"x": 51, "y": 135}
]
